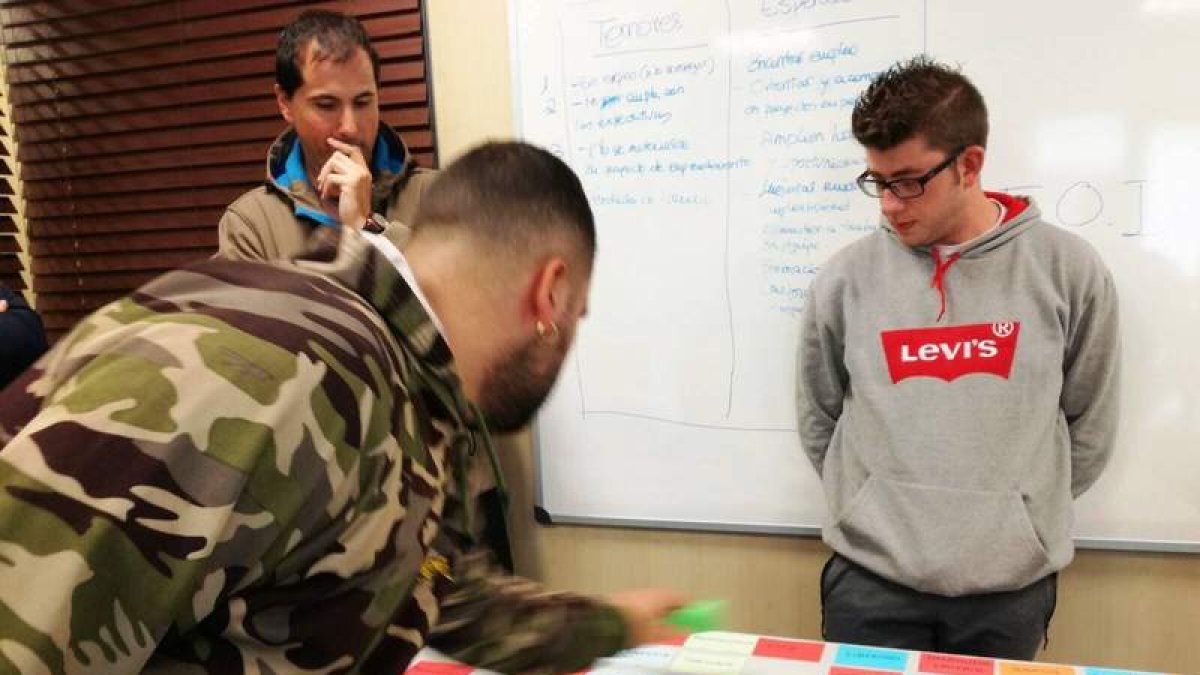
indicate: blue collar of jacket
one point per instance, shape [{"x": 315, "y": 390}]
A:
[{"x": 390, "y": 162}]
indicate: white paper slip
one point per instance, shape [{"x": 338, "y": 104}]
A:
[
  {"x": 608, "y": 667},
  {"x": 708, "y": 663},
  {"x": 722, "y": 643},
  {"x": 649, "y": 656},
  {"x": 757, "y": 665}
]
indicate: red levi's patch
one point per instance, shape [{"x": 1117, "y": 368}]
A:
[{"x": 951, "y": 352}]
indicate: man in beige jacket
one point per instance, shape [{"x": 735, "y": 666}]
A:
[{"x": 336, "y": 163}]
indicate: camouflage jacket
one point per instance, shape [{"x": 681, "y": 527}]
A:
[
  {"x": 248, "y": 467},
  {"x": 274, "y": 221}
]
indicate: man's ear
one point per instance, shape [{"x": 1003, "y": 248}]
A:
[
  {"x": 971, "y": 161},
  {"x": 551, "y": 290},
  {"x": 285, "y": 103}
]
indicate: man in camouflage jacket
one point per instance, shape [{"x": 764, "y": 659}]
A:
[{"x": 247, "y": 467}]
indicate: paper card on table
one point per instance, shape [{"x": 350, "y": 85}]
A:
[
  {"x": 604, "y": 667},
  {"x": 792, "y": 650},
  {"x": 650, "y": 656},
  {"x": 843, "y": 670},
  {"x": 950, "y": 664},
  {"x": 756, "y": 665},
  {"x": 721, "y": 642},
  {"x": 1110, "y": 671},
  {"x": 871, "y": 657},
  {"x": 1022, "y": 668},
  {"x": 438, "y": 668},
  {"x": 708, "y": 663}
]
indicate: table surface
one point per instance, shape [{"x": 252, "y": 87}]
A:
[{"x": 723, "y": 653}]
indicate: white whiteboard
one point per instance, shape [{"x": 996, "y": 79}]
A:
[{"x": 712, "y": 138}]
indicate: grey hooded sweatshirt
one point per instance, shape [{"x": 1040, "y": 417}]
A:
[{"x": 954, "y": 408}]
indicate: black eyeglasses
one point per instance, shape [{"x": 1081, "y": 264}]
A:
[{"x": 903, "y": 188}]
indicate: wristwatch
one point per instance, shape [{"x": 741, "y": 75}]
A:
[{"x": 376, "y": 224}]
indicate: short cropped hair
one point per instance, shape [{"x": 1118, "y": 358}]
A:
[
  {"x": 920, "y": 97},
  {"x": 337, "y": 36},
  {"x": 512, "y": 194}
]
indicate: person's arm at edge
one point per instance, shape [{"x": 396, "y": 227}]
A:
[
  {"x": 22, "y": 336},
  {"x": 1091, "y": 381},
  {"x": 820, "y": 378},
  {"x": 513, "y": 625}
]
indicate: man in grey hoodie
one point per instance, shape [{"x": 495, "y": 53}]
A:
[{"x": 957, "y": 387}]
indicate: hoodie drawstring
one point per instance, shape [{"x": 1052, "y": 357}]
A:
[{"x": 940, "y": 267}]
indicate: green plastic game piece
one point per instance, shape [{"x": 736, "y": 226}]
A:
[{"x": 700, "y": 616}]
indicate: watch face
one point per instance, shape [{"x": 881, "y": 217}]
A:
[{"x": 376, "y": 224}]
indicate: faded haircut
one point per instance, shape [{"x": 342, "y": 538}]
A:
[
  {"x": 514, "y": 195},
  {"x": 337, "y": 37},
  {"x": 920, "y": 97}
]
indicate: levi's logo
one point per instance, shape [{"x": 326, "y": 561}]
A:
[{"x": 950, "y": 352}]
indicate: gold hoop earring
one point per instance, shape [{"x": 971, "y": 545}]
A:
[{"x": 547, "y": 331}]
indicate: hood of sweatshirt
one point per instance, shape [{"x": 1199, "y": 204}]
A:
[{"x": 1020, "y": 214}]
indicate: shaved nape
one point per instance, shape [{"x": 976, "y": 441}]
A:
[{"x": 513, "y": 194}]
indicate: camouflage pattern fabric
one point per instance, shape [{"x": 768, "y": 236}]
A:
[{"x": 248, "y": 467}]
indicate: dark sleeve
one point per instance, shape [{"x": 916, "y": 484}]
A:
[{"x": 22, "y": 338}]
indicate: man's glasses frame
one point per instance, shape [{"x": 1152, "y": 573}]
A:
[{"x": 903, "y": 188}]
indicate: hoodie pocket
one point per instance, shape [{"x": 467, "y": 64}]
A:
[{"x": 942, "y": 540}]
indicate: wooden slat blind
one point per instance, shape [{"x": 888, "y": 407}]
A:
[
  {"x": 11, "y": 264},
  {"x": 138, "y": 121}
]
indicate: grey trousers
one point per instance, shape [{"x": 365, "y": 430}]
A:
[{"x": 860, "y": 607}]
